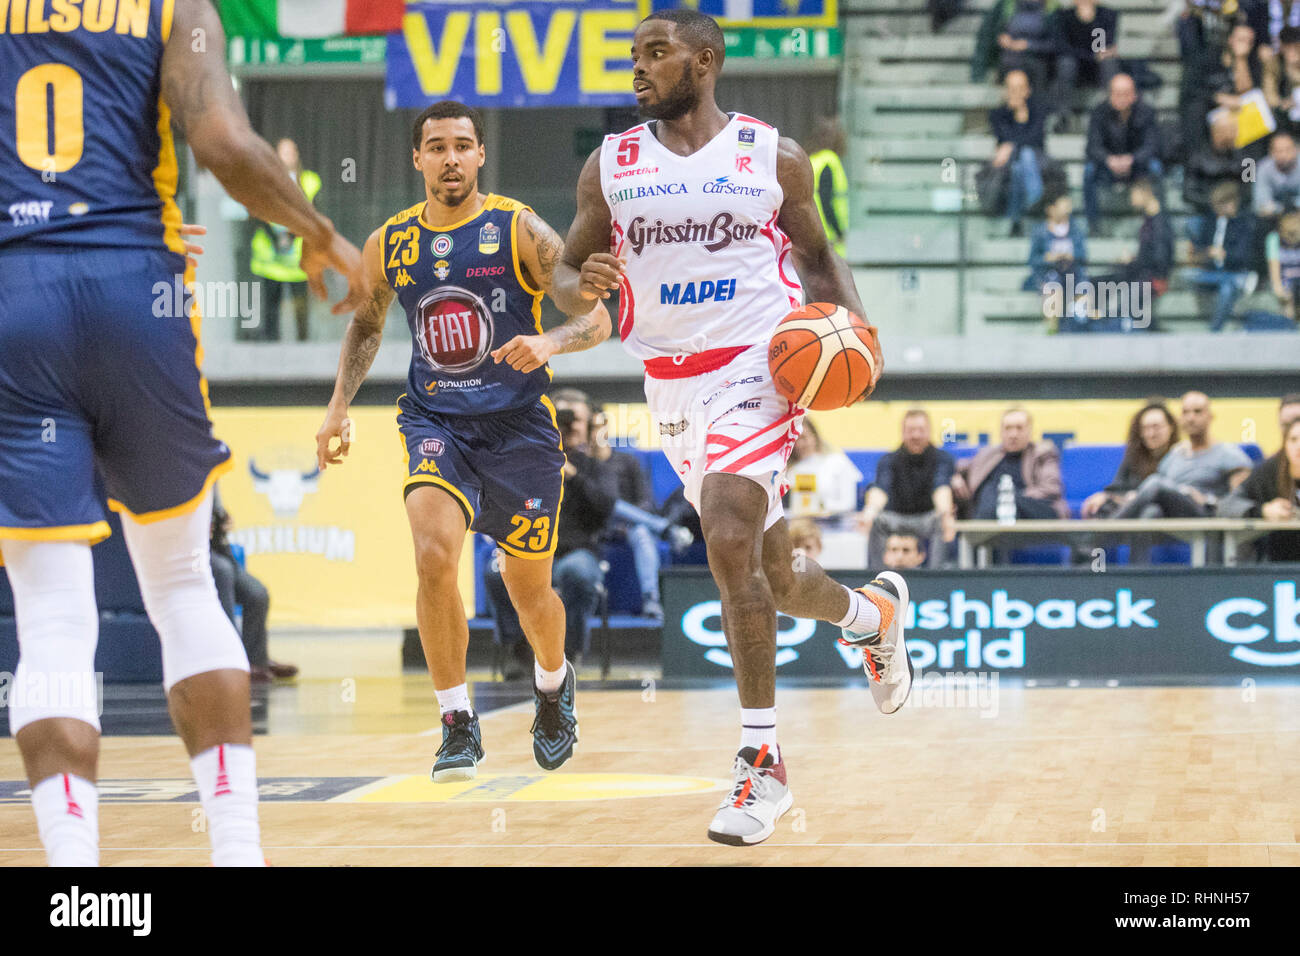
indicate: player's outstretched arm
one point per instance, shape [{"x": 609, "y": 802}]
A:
[
  {"x": 198, "y": 91},
  {"x": 587, "y": 270},
  {"x": 825, "y": 275},
  {"x": 360, "y": 346},
  {"x": 539, "y": 250}
]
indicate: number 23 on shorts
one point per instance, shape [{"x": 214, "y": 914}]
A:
[{"x": 539, "y": 527}]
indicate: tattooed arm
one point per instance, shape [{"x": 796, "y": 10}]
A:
[
  {"x": 539, "y": 251},
  {"x": 204, "y": 104},
  {"x": 360, "y": 346}
]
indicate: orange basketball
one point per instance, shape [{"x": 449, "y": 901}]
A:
[{"x": 822, "y": 357}]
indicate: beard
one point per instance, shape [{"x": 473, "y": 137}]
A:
[{"x": 680, "y": 100}]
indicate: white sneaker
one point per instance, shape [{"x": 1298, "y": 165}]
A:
[
  {"x": 757, "y": 800},
  {"x": 884, "y": 654}
]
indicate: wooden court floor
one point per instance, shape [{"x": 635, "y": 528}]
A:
[{"x": 1124, "y": 776}]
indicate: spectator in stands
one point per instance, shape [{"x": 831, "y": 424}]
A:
[
  {"x": 1087, "y": 51},
  {"x": 806, "y": 538},
  {"x": 1154, "y": 258},
  {"x": 1214, "y": 158},
  {"x": 903, "y": 552},
  {"x": 1034, "y": 469},
  {"x": 1289, "y": 410},
  {"x": 823, "y": 481},
  {"x": 236, "y": 586},
  {"x": 1221, "y": 252},
  {"x": 1281, "y": 15},
  {"x": 941, "y": 11},
  {"x": 826, "y": 150},
  {"x": 634, "y": 518},
  {"x": 1282, "y": 81},
  {"x": 1272, "y": 492},
  {"x": 1028, "y": 42},
  {"x": 912, "y": 492},
  {"x": 1058, "y": 247},
  {"x": 1282, "y": 248},
  {"x": 1277, "y": 178},
  {"x": 1018, "y": 129},
  {"x": 1202, "y": 35},
  {"x": 1238, "y": 71},
  {"x": 1123, "y": 143},
  {"x": 1151, "y": 434},
  {"x": 1195, "y": 474},
  {"x": 276, "y": 254},
  {"x": 583, "y": 520}
]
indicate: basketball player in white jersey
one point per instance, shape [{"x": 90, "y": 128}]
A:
[{"x": 705, "y": 223}]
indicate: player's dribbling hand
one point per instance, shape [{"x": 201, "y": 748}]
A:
[
  {"x": 345, "y": 259},
  {"x": 599, "y": 275},
  {"x": 525, "y": 353},
  {"x": 336, "y": 425},
  {"x": 193, "y": 249}
]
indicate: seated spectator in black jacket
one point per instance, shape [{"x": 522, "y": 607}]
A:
[
  {"x": 576, "y": 573},
  {"x": 1212, "y": 159},
  {"x": 1028, "y": 42},
  {"x": 1203, "y": 29},
  {"x": 1222, "y": 245},
  {"x": 236, "y": 586},
  {"x": 1272, "y": 492},
  {"x": 1123, "y": 144},
  {"x": 912, "y": 492},
  {"x": 1151, "y": 433},
  {"x": 1087, "y": 51},
  {"x": 1018, "y": 130}
]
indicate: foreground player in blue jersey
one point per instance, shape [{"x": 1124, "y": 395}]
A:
[
  {"x": 94, "y": 379},
  {"x": 482, "y": 445}
]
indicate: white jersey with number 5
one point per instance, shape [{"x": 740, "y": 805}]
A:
[{"x": 707, "y": 265}]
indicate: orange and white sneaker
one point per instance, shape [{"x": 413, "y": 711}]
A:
[
  {"x": 759, "y": 797},
  {"x": 884, "y": 653}
]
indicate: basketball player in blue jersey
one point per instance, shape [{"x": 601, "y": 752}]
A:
[
  {"x": 733, "y": 201},
  {"x": 94, "y": 379},
  {"x": 482, "y": 444}
]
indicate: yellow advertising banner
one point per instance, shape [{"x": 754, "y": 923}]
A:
[{"x": 334, "y": 548}]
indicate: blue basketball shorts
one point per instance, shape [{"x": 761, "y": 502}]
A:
[
  {"x": 100, "y": 393},
  {"x": 505, "y": 470}
]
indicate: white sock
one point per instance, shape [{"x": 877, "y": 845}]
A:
[
  {"x": 454, "y": 698},
  {"x": 758, "y": 727},
  {"x": 548, "y": 682},
  {"x": 227, "y": 779},
  {"x": 863, "y": 616},
  {"x": 67, "y": 815}
]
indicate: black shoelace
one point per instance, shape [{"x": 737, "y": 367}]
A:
[
  {"x": 549, "y": 718},
  {"x": 460, "y": 740}
]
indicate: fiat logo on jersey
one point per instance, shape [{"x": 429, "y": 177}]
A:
[{"x": 453, "y": 329}]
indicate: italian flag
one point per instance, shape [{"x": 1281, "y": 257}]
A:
[{"x": 311, "y": 18}]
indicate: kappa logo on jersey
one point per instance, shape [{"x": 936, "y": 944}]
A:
[
  {"x": 489, "y": 239},
  {"x": 453, "y": 329},
  {"x": 641, "y": 192},
  {"x": 745, "y": 138},
  {"x": 30, "y": 212},
  {"x": 442, "y": 269},
  {"x": 441, "y": 246},
  {"x": 744, "y": 164},
  {"x": 628, "y": 151},
  {"x": 431, "y": 447},
  {"x": 706, "y": 290},
  {"x": 403, "y": 279},
  {"x": 428, "y": 467},
  {"x": 714, "y": 235},
  {"x": 723, "y": 184}
]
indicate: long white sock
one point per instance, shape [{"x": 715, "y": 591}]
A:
[
  {"x": 758, "y": 727},
  {"x": 67, "y": 815},
  {"x": 863, "y": 616},
  {"x": 548, "y": 682},
  {"x": 454, "y": 698},
  {"x": 227, "y": 779}
]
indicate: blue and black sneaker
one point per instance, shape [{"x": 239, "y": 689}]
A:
[
  {"x": 462, "y": 748},
  {"x": 555, "y": 728}
]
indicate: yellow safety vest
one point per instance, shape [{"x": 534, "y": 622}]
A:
[
  {"x": 840, "y": 203},
  {"x": 275, "y": 257}
]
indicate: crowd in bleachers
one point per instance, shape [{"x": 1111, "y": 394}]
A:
[{"x": 1231, "y": 148}]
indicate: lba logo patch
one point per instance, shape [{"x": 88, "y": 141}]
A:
[
  {"x": 489, "y": 239},
  {"x": 431, "y": 447},
  {"x": 745, "y": 139},
  {"x": 441, "y": 246}
]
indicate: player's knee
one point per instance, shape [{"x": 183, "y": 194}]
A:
[
  {"x": 731, "y": 547},
  {"x": 437, "y": 560}
]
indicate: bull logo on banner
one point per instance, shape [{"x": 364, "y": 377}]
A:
[{"x": 285, "y": 488}]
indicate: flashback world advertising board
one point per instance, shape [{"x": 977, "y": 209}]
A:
[{"x": 1032, "y": 623}]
